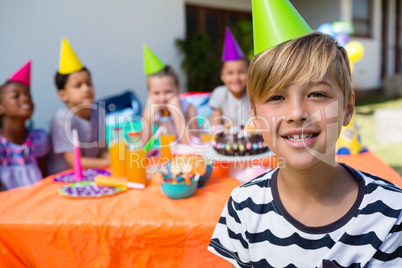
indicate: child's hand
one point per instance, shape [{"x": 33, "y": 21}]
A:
[
  {"x": 153, "y": 108},
  {"x": 175, "y": 101}
]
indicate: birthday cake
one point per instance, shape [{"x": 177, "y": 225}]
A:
[{"x": 235, "y": 140}]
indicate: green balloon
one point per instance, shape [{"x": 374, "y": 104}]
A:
[{"x": 343, "y": 26}]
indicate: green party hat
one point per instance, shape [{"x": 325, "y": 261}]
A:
[
  {"x": 274, "y": 22},
  {"x": 152, "y": 64}
]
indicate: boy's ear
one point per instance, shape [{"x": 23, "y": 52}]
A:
[
  {"x": 62, "y": 94},
  {"x": 350, "y": 108}
]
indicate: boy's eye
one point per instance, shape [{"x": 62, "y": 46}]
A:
[
  {"x": 275, "y": 98},
  {"x": 317, "y": 95}
]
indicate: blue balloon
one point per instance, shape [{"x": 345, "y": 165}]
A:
[{"x": 327, "y": 28}]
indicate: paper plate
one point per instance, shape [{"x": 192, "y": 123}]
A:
[
  {"x": 89, "y": 189},
  {"x": 89, "y": 175}
]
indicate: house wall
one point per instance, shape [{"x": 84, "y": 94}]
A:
[
  {"x": 317, "y": 12},
  {"x": 108, "y": 38},
  {"x": 367, "y": 74},
  {"x": 106, "y": 35}
]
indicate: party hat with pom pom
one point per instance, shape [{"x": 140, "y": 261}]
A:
[
  {"x": 231, "y": 49},
  {"x": 69, "y": 62},
  {"x": 349, "y": 141},
  {"x": 152, "y": 64},
  {"x": 274, "y": 22},
  {"x": 23, "y": 75}
]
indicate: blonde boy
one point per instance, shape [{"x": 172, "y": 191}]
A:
[{"x": 311, "y": 211}]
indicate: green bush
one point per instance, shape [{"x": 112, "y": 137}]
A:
[{"x": 202, "y": 57}]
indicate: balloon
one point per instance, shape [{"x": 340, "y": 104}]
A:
[
  {"x": 352, "y": 67},
  {"x": 327, "y": 28},
  {"x": 343, "y": 26},
  {"x": 342, "y": 38},
  {"x": 355, "y": 50}
]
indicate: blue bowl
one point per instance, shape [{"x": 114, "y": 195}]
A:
[
  {"x": 179, "y": 190},
  {"x": 206, "y": 175},
  {"x": 203, "y": 178}
]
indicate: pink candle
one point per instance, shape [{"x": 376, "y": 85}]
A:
[{"x": 77, "y": 157}]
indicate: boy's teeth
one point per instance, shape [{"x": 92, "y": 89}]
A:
[{"x": 299, "y": 137}]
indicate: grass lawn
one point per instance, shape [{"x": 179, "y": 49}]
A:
[{"x": 391, "y": 153}]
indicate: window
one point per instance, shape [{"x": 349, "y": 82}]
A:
[
  {"x": 212, "y": 22},
  {"x": 362, "y": 18},
  {"x": 202, "y": 47}
]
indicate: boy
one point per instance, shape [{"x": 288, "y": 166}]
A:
[
  {"x": 312, "y": 211},
  {"x": 75, "y": 89},
  {"x": 230, "y": 102},
  {"x": 163, "y": 95}
]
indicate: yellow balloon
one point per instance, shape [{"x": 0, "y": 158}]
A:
[
  {"x": 352, "y": 67},
  {"x": 355, "y": 50}
]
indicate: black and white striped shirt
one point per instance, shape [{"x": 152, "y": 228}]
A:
[{"x": 255, "y": 230}]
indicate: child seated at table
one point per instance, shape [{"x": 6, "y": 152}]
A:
[
  {"x": 163, "y": 98},
  {"x": 310, "y": 211},
  {"x": 22, "y": 149},
  {"x": 75, "y": 89},
  {"x": 230, "y": 103}
]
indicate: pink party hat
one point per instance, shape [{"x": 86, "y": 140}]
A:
[
  {"x": 22, "y": 75},
  {"x": 231, "y": 49}
]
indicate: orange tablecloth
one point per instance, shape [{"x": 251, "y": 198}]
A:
[
  {"x": 137, "y": 228},
  {"x": 371, "y": 163},
  {"x": 40, "y": 228}
]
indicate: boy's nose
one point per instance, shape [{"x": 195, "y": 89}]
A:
[
  {"x": 86, "y": 87},
  {"x": 164, "y": 98},
  {"x": 24, "y": 97},
  {"x": 296, "y": 111}
]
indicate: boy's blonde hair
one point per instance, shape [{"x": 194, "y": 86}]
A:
[{"x": 303, "y": 60}]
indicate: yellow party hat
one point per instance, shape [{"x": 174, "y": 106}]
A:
[
  {"x": 350, "y": 141},
  {"x": 69, "y": 62}
]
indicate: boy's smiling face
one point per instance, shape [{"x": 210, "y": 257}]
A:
[
  {"x": 78, "y": 89},
  {"x": 234, "y": 76},
  {"x": 303, "y": 123}
]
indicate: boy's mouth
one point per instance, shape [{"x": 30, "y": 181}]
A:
[
  {"x": 26, "y": 106},
  {"x": 300, "y": 137}
]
